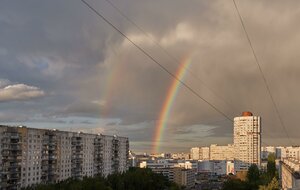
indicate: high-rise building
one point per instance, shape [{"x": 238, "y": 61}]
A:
[
  {"x": 247, "y": 141},
  {"x": 30, "y": 156}
]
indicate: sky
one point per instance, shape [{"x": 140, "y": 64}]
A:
[{"x": 63, "y": 67}]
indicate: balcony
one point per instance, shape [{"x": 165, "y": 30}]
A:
[
  {"x": 10, "y": 153},
  {"x": 52, "y": 157},
  {"x": 9, "y": 171},
  {"x": 10, "y": 141},
  {"x": 53, "y": 148},
  {"x": 76, "y": 166},
  {"x": 11, "y": 158},
  {"x": 76, "y": 171},
  {"x": 77, "y": 161}
]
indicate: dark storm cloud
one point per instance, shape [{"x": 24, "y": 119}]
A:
[{"x": 88, "y": 70}]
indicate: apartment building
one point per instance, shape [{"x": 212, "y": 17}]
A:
[
  {"x": 217, "y": 152},
  {"x": 200, "y": 153},
  {"x": 32, "y": 156},
  {"x": 184, "y": 156},
  {"x": 184, "y": 177},
  {"x": 290, "y": 173},
  {"x": 247, "y": 141}
]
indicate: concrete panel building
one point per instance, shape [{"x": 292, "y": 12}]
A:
[
  {"x": 217, "y": 152},
  {"x": 290, "y": 174},
  {"x": 30, "y": 156}
]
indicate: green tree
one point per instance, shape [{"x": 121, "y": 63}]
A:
[
  {"x": 234, "y": 184},
  {"x": 253, "y": 177},
  {"x": 271, "y": 166},
  {"x": 273, "y": 185},
  {"x": 133, "y": 179}
]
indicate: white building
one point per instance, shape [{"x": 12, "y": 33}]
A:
[
  {"x": 184, "y": 156},
  {"x": 195, "y": 153},
  {"x": 221, "y": 152},
  {"x": 31, "y": 156},
  {"x": 200, "y": 153},
  {"x": 290, "y": 174},
  {"x": 247, "y": 141}
]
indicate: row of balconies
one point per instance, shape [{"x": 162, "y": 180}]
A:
[
  {"x": 76, "y": 170},
  {"x": 11, "y": 158},
  {"x": 11, "y": 153},
  {"x": 77, "y": 160},
  {"x": 77, "y": 152},
  {"x": 10, "y": 141},
  {"x": 12, "y": 146},
  {"x": 11, "y": 135},
  {"x": 11, "y": 170}
]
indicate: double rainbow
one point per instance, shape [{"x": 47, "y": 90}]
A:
[{"x": 168, "y": 104}]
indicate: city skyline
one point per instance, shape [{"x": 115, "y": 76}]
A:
[{"x": 73, "y": 72}]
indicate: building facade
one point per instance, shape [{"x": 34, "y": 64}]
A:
[
  {"x": 290, "y": 174},
  {"x": 32, "y": 156},
  {"x": 247, "y": 141},
  {"x": 200, "y": 153},
  {"x": 184, "y": 177},
  {"x": 217, "y": 152}
]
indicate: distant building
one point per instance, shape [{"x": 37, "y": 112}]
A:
[
  {"x": 179, "y": 171},
  {"x": 188, "y": 165},
  {"x": 159, "y": 163},
  {"x": 30, "y": 156},
  {"x": 184, "y": 177},
  {"x": 217, "y": 152},
  {"x": 132, "y": 159},
  {"x": 200, "y": 153},
  {"x": 291, "y": 152},
  {"x": 167, "y": 172},
  {"x": 265, "y": 151},
  {"x": 195, "y": 153},
  {"x": 290, "y": 174},
  {"x": 247, "y": 141},
  {"x": 184, "y": 156},
  {"x": 216, "y": 167}
]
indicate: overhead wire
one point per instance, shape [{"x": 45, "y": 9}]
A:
[
  {"x": 154, "y": 60},
  {"x": 168, "y": 53},
  {"x": 262, "y": 73}
]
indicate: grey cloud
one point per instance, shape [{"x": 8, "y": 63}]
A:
[{"x": 81, "y": 61}]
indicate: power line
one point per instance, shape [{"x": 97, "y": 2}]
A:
[
  {"x": 261, "y": 72},
  {"x": 154, "y": 60},
  {"x": 167, "y": 53}
]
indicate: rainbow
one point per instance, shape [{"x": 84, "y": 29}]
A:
[
  {"x": 111, "y": 83},
  {"x": 168, "y": 103}
]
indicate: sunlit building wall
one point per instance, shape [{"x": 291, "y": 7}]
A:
[{"x": 247, "y": 141}]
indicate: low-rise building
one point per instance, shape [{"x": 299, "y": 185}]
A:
[{"x": 290, "y": 174}]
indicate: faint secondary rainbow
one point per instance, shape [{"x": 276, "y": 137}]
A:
[{"x": 168, "y": 104}]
